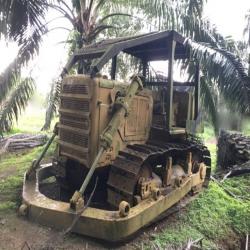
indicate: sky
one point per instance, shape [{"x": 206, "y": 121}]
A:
[{"x": 227, "y": 15}]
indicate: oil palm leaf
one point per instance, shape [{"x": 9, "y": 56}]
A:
[
  {"x": 53, "y": 102},
  {"x": 226, "y": 71},
  {"x": 20, "y": 16},
  {"x": 27, "y": 50},
  {"x": 208, "y": 92},
  {"x": 15, "y": 103},
  {"x": 7, "y": 79}
]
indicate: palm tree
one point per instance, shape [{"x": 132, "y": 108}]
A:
[
  {"x": 20, "y": 21},
  {"x": 14, "y": 100},
  {"x": 89, "y": 18},
  {"x": 224, "y": 76},
  {"x": 24, "y": 22}
]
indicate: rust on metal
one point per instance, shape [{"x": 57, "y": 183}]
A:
[{"x": 134, "y": 140}]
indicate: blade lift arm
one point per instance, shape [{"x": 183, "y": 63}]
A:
[{"x": 36, "y": 163}]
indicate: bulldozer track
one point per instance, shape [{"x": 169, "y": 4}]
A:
[{"x": 125, "y": 170}]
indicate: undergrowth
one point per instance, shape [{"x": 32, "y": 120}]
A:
[
  {"x": 12, "y": 169},
  {"x": 14, "y": 165},
  {"x": 214, "y": 215}
]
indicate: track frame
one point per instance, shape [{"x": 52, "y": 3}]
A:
[{"x": 111, "y": 226}]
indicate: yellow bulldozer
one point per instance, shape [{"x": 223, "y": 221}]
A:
[{"x": 126, "y": 150}]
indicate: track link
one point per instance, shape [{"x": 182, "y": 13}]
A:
[{"x": 124, "y": 172}]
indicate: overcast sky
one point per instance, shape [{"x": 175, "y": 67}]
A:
[{"x": 227, "y": 15}]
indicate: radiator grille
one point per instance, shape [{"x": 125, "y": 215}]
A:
[
  {"x": 74, "y": 131},
  {"x": 75, "y": 122},
  {"x": 74, "y": 138},
  {"x": 74, "y": 104},
  {"x": 75, "y": 89},
  {"x": 74, "y": 153},
  {"x": 72, "y": 117}
]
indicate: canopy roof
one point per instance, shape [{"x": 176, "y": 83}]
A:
[{"x": 147, "y": 47}]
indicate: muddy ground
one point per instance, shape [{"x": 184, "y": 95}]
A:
[{"x": 17, "y": 232}]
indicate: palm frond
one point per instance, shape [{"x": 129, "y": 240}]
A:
[
  {"x": 98, "y": 5},
  {"x": 27, "y": 50},
  {"x": 70, "y": 9},
  {"x": 76, "y": 5},
  {"x": 246, "y": 31},
  {"x": 112, "y": 15},
  {"x": 65, "y": 12},
  {"x": 209, "y": 102},
  {"x": 11, "y": 107},
  {"x": 53, "y": 102},
  {"x": 98, "y": 29},
  {"x": 20, "y": 16},
  {"x": 225, "y": 70},
  {"x": 7, "y": 79},
  {"x": 30, "y": 45}
]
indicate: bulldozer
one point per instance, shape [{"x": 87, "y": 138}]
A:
[{"x": 126, "y": 151}]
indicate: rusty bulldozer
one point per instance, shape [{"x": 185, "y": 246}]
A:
[{"x": 136, "y": 138}]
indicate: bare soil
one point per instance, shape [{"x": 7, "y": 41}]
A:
[
  {"x": 7, "y": 172},
  {"x": 18, "y": 233}
]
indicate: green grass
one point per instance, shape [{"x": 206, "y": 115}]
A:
[
  {"x": 246, "y": 126},
  {"x": 214, "y": 215},
  {"x": 14, "y": 165},
  {"x": 208, "y": 133},
  {"x": 209, "y": 138},
  {"x": 11, "y": 185},
  {"x": 213, "y": 152},
  {"x": 31, "y": 121}
]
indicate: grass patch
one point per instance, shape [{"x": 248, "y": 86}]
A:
[
  {"x": 246, "y": 126},
  {"x": 214, "y": 215},
  {"x": 14, "y": 165},
  {"x": 31, "y": 121},
  {"x": 22, "y": 159},
  {"x": 240, "y": 186},
  {"x": 209, "y": 138},
  {"x": 8, "y": 205},
  {"x": 11, "y": 186},
  {"x": 208, "y": 133},
  {"x": 213, "y": 152}
]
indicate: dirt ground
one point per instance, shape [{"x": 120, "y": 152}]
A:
[{"x": 18, "y": 233}]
